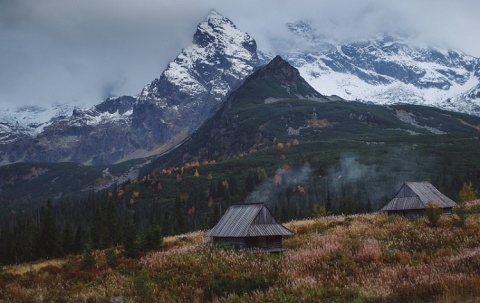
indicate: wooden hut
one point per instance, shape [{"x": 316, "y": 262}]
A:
[
  {"x": 413, "y": 197},
  {"x": 249, "y": 226}
]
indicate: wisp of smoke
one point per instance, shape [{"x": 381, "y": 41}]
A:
[
  {"x": 284, "y": 178},
  {"x": 349, "y": 171}
]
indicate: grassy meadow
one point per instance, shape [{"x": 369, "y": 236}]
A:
[{"x": 358, "y": 258}]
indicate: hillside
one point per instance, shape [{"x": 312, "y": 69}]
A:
[
  {"x": 276, "y": 103},
  {"x": 361, "y": 258},
  {"x": 353, "y": 150},
  {"x": 26, "y": 186}
]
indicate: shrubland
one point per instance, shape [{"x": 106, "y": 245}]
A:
[{"x": 357, "y": 258}]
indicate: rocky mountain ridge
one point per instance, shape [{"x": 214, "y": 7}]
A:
[
  {"x": 387, "y": 69},
  {"x": 162, "y": 115},
  {"x": 272, "y": 119}
]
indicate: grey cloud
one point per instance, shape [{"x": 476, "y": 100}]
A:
[{"x": 85, "y": 50}]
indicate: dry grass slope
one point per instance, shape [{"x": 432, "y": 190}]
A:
[{"x": 361, "y": 258}]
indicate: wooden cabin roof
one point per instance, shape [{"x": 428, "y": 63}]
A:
[
  {"x": 248, "y": 220},
  {"x": 417, "y": 195}
]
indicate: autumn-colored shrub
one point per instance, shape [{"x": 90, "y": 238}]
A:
[
  {"x": 143, "y": 287},
  {"x": 433, "y": 213},
  {"x": 88, "y": 258},
  {"x": 111, "y": 257},
  {"x": 52, "y": 270}
]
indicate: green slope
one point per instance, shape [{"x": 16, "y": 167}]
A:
[{"x": 30, "y": 185}]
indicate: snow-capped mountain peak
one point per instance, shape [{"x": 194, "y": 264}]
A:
[
  {"x": 220, "y": 31},
  {"x": 219, "y": 55},
  {"x": 384, "y": 69},
  {"x": 165, "y": 112}
]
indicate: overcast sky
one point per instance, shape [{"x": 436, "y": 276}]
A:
[{"x": 88, "y": 50}]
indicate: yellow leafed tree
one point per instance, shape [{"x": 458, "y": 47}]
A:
[{"x": 467, "y": 193}]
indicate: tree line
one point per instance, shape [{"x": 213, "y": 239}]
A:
[{"x": 138, "y": 214}]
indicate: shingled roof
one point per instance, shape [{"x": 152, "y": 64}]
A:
[
  {"x": 248, "y": 220},
  {"x": 417, "y": 195}
]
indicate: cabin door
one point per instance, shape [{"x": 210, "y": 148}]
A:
[{"x": 262, "y": 242}]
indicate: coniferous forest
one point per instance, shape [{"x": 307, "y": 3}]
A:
[{"x": 137, "y": 214}]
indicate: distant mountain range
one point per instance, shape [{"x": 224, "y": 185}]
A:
[
  {"x": 274, "y": 121},
  {"x": 386, "y": 69}
]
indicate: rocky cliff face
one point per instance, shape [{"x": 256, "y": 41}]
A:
[{"x": 162, "y": 115}]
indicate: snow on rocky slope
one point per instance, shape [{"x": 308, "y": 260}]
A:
[
  {"x": 165, "y": 112},
  {"x": 385, "y": 69}
]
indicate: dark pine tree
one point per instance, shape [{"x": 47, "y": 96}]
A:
[
  {"x": 98, "y": 232},
  {"x": 328, "y": 203},
  {"x": 24, "y": 240},
  {"x": 233, "y": 187},
  {"x": 68, "y": 240},
  {"x": 48, "y": 240},
  {"x": 369, "y": 206},
  {"x": 215, "y": 215},
  {"x": 79, "y": 240},
  {"x": 212, "y": 192},
  {"x": 250, "y": 182},
  {"x": 167, "y": 228},
  {"x": 152, "y": 238},
  {"x": 180, "y": 224},
  {"x": 220, "y": 189},
  {"x": 88, "y": 257},
  {"x": 114, "y": 230},
  {"x": 130, "y": 233},
  {"x": 6, "y": 247}
]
